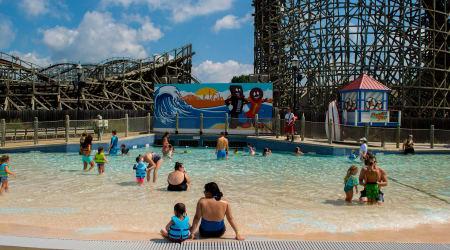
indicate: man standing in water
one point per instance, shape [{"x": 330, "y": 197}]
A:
[
  {"x": 371, "y": 168},
  {"x": 222, "y": 147}
]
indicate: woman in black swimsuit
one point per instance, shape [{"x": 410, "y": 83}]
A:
[{"x": 178, "y": 180}]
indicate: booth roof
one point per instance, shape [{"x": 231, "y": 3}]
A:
[{"x": 365, "y": 82}]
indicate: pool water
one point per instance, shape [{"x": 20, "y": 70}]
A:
[{"x": 279, "y": 194}]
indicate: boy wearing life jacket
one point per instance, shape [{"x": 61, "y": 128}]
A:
[{"x": 101, "y": 160}]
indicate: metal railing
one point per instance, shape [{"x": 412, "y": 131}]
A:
[{"x": 64, "y": 130}]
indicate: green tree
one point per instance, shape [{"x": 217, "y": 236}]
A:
[{"x": 240, "y": 79}]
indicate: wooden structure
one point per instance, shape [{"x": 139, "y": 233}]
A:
[
  {"x": 405, "y": 43},
  {"x": 117, "y": 83}
]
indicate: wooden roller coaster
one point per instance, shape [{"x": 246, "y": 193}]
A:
[{"x": 116, "y": 83}]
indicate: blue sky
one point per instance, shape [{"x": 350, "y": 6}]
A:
[{"x": 51, "y": 31}]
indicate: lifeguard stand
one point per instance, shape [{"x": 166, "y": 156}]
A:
[{"x": 364, "y": 101}]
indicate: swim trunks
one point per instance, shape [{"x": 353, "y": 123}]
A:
[
  {"x": 221, "y": 154},
  {"x": 3, "y": 178},
  {"x": 372, "y": 191},
  {"x": 86, "y": 158},
  {"x": 139, "y": 180}
]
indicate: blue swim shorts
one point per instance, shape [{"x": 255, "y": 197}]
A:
[
  {"x": 86, "y": 159},
  {"x": 221, "y": 154},
  {"x": 3, "y": 178}
]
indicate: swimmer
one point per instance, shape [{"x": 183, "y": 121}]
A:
[
  {"x": 267, "y": 152},
  {"x": 251, "y": 150},
  {"x": 298, "y": 152},
  {"x": 353, "y": 156},
  {"x": 222, "y": 147},
  {"x": 112, "y": 150},
  {"x": 350, "y": 182},
  {"x": 165, "y": 144},
  {"x": 4, "y": 172},
  {"x": 169, "y": 151},
  {"x": 186, "y": 150},
  {"x": 101, "y": 160},
  {"x": 236, "y": 151},
  {"x": 141, "y": 170},
  {"x": 124, "y": 150},
  {"x": 154, "y": 163}
]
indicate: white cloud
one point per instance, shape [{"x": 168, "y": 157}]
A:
[
  {"x": 59, "y": 37},
  {"x": 98, "y": 37},
  {"x": 209, "y": 71},
  {"x": 53, "y": 8},
  {"x": 230, "y": 22},
  {"x": 181, "y": 10},
  {"x": 32, "y": 57},
  {"x": 7, "y": 34},
  {"x": 35, "y": 7}
]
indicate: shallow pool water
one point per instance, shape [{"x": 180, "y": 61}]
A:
[{"x": 279, "y": 194}]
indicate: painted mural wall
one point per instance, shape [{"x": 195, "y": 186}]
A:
[{"x": 241, "y": 101}]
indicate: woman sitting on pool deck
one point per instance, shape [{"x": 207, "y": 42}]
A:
[
  {"x": 212, "y": 210},
  {"x": 178, "y": 180},
  {"x": 408, "y": 145}
]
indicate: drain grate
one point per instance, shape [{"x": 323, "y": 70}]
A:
[{"x": 13, "y": 241}]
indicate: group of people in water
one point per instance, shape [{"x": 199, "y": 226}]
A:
[
  {"x": 371, "y": 177},
  {"x": 211, "y": 210}
]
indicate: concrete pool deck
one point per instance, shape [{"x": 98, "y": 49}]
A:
[
  {"x": 12, "y": 242},
  {"x": 319, "y": 146}
]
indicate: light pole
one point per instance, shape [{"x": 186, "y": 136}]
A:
[{"x": 294, "y": 64}]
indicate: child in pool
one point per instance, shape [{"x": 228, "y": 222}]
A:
[
  {"x": 177, "y": 230},
  {"x": 124, "y": 150},
  {"x": 171, "y": 151},
  {"x": 101, "y": 160},
  {"x": 267, "y": 152},
  {"x": 353, "y": 156},
  {"x": 350, "y": 182},
  {"x": 298, "y": 151},
  {"x": 141, "y": 170},
  {"x": 236, "y": 151},
  {"x": 251, "y": 150},
  {"x": 4, "y": 172}
]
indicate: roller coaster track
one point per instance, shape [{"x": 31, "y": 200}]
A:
[{"x": 116, "y": 83}]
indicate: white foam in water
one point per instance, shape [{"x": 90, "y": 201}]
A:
[
  {"x": 293, "y": 194},
  {"x": 147, "y": 145},
  {"x": 135, "y": 146}
]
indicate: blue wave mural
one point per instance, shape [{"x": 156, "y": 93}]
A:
[{"x": 169, "y": 100}]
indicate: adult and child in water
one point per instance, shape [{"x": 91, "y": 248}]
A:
[{"x": 371, "y": 177}]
